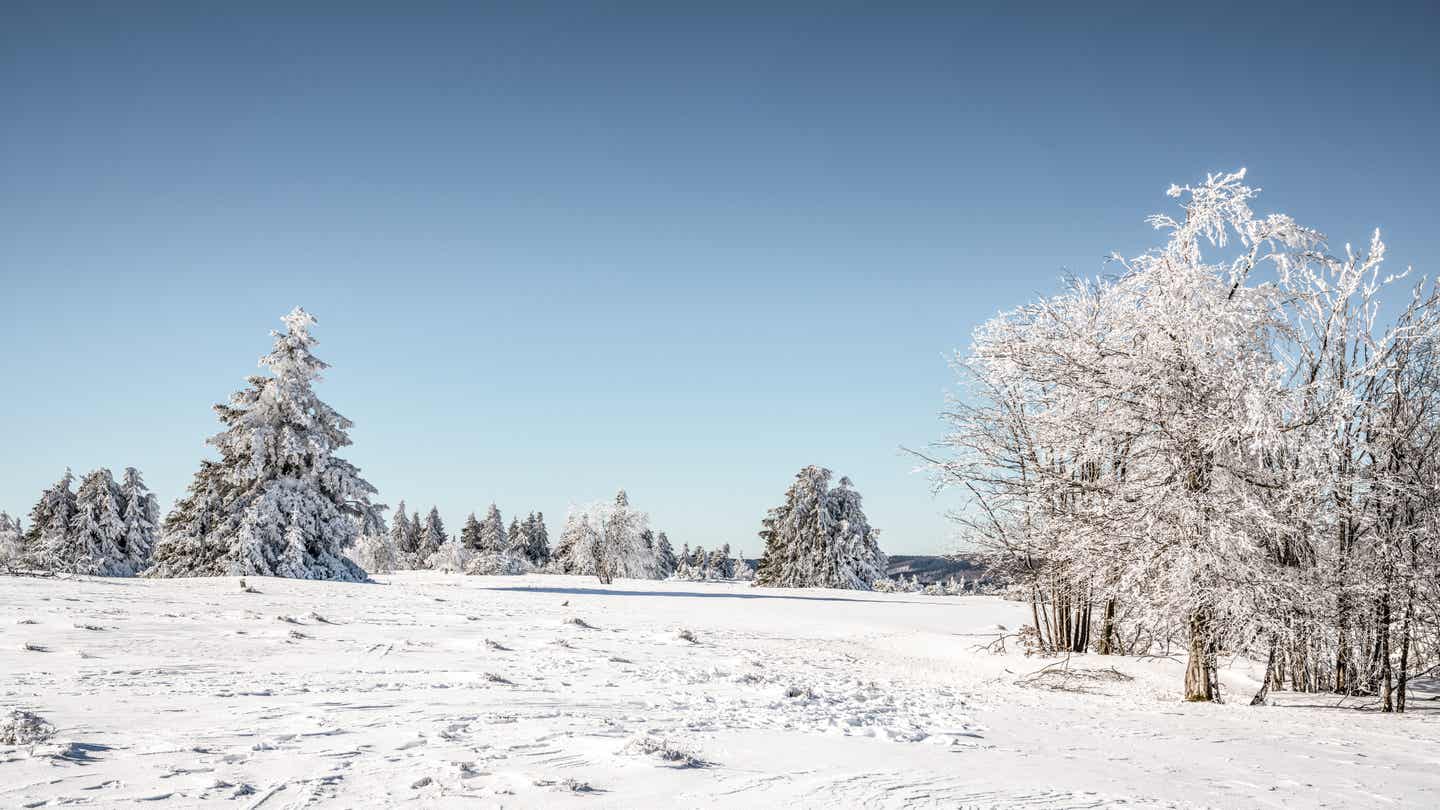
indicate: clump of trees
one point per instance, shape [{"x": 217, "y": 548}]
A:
[
  {"x": 105, "y": 528},
  {"x": 819, "y": 537},
  {"x": 278, "y": 501},
  {"x": 699, "y": 565},
  {"x": 1221, "y": 446},
  {"x": 610, "y": 540}
]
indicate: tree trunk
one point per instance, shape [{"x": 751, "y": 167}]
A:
[
  {"x": 1403, "y": 681},
  {"x": 1270, "y": 668},
  {"x": 1107, "y": 629},
  {"x": 1199, "y": 683}
]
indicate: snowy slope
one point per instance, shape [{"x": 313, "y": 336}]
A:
[{"x": 455, "y": 691}]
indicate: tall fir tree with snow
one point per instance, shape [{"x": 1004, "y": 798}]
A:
[
  {"x": 402, "y": 538},
  {"x": 415, "y": 539},
  {"x": 819, "y": 537},
  {"x": 96, "y": 530},
  {"x": 492, "y": 532},
  {"x": 47, "y": 541},
  {"x": 278, "y": 502},
  {"x": 432, "y": 535},
  {"x": 470, "y": 533},
  {"x": 538, "y": 549},
  {"x": 140, "y": 512},
  {"x": 665, "y": 561},
  {"x": 515, "y": 540}
]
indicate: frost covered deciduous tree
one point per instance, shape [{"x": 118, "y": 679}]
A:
[
  {"x": 11, "y": 544},
  {"x": 1215, "y": 446},
  {"x": 819, "y": 537},
  {"x": 451, "y": 556},
  {"x": 375, "y": 547},
  {"x": 278, "y": 502},
  {"x": 606, "y": 539}
]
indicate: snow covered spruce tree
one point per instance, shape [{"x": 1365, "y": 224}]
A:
[
  {"x": 492, "y": 538},
  {"x": 96, "y": 531},
  {"x": 536, "y": 539},
  {"x": 432, "y": 536},
  {"x": 819, "y": 538},
  {"x": 46, "y": 544},
  {"x": 140, "y": 512},
  {"x": 278, "y": 502},
  {"x": 1214, "y": 449},
  {"x": 405, "y": 539},
  {"x": 606, "y": 539},
  {"x": 470, "y": 532},
  {"x": 665, "y": 562}
]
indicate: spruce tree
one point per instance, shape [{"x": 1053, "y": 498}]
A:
[
  {"x": 538, "y": 551},
  {"x": 492, "y": 532},
  {"x": 278, "y": 502},
  {"x": 415, "y": 540},
  {"x": 515, "y": 541},
  {"x": 96, "y": 530},
  {"x": 665, "y": 555},
  {"x": 141, "y": 514},
  {"x": 819, "y": 537},
  {"x": 470, "y": 534},
  {"x": 402, "y": 538},
  {"x": 432, "y": 536},
  {"x": 47, "y": 541}
]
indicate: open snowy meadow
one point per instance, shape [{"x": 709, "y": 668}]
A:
[{"x": 549, "y": 691}]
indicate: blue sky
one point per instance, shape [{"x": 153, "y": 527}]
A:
[{"x": 557, "y": 249}]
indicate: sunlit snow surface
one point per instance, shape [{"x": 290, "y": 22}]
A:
[{"x": 453, "y": 691}]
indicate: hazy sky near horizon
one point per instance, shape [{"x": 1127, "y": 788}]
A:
[{"x": 560, "y": 248}]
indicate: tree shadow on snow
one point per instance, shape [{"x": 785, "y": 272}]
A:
[{"x": 698, "y": 594}]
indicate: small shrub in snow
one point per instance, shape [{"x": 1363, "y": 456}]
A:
[
  {"x": 686, "y": 635},
  {"x": 665, "y": 750},
  {"x": 498, "y": 564},
  {"x": 24, "y": 728}
]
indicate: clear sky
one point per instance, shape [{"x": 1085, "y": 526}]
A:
[{"x": 557, "y": 249}]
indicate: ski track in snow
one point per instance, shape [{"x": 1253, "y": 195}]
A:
[{"x": 452, "y": 691}]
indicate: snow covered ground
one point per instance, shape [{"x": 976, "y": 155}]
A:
[{"x": 453, "y": 691}]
